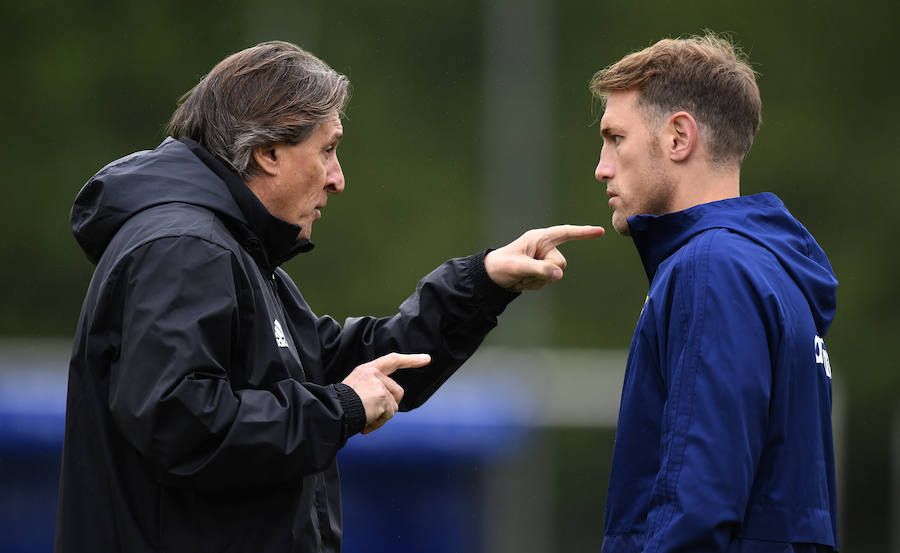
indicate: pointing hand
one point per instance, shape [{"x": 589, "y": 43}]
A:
[
  {"x": 532, "y": 261},
  {"x": 380, "y": 394}
]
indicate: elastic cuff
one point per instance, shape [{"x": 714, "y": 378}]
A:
[
  {"x": 485, "y": 288},
  {"x": 354, "y": 410}
]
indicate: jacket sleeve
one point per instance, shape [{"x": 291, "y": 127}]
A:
[
  {"x": 448, "y": 316},
  {"x": 717, "y": 371},
  {"x": 170, "y": 387}
]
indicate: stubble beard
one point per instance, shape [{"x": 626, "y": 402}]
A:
[
  {"x": 620, "y": 223},
  {"x": 658, "y": 191}
]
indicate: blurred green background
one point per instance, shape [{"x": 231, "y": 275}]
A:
[{"x": 470, "y": 122}]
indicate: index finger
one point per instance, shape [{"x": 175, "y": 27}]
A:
[
  {"x": 563, "y": 233},
  {"x": 389, "y": 363}
]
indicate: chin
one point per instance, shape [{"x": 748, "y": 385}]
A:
[
  {"x": 621, "y": 226},
  {"x": 305, "y": 229}
]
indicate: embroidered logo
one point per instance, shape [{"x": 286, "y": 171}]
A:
[
  {"x": 822, "y": 355},
  {"x": 280, "y": 340}
]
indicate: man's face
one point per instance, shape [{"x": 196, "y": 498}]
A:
[
  {"x": 632, "y": 162},
  {"x": 307, "y": 173}
]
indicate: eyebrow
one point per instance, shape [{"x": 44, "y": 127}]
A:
[{"x": 609, "y": 130}]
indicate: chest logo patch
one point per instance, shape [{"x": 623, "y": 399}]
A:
[{"x": 280, "y": 340}]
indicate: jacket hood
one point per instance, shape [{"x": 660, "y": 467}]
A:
[
  {"x": 762, "y": 218},
  {"x": 179, "y": 171},
  {"x": 170, "y": 173}
]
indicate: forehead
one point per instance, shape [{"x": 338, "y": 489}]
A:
[
  {"x": 621, "y": 109},
  {"x": 331, "y": 125},
  {"x": 328, "y": 130}
]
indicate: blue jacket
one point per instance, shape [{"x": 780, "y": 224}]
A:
[{"x": 724, "y": 436}]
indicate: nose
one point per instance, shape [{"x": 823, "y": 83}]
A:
[
  {"x": 604, "y": 171},
  {"x": 334, "y": 177}
]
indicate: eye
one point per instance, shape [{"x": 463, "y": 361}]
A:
[{"x": 614, "y": 139}]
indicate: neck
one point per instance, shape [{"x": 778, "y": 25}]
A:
[{"x": 707, "y": 185}]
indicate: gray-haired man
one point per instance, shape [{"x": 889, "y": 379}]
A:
[{"x": 206, "y": 401}]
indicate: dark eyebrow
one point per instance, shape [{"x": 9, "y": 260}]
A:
[{"x": 609, "y": 130}]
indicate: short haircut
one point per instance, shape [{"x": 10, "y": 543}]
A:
[
  {"x": 707, "y": 76},
  {"x": 270, "y": 93}
]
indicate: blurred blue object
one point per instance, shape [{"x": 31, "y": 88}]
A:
[
  {"x": 414, "y": 485},
  {"x": 417, "y": 484},
  {"x": 32, "y": 422},
  {"x": 32, "y": 411}
]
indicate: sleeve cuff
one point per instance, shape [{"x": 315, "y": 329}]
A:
[
  {"x": 485, "y": 288},
  {"x": 354, "y": 411}
]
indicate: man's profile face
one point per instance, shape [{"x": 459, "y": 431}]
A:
[
  {"x": 307, "y": 173},
  {"x": 631, "y": 162}
]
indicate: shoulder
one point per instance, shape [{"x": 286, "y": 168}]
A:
[
  {"x": 723, "y": 253},
  {"x": 170, "y": 237},
  {"x": 722, "y": 285},
  {"x": 722, "y": 266},
  {"x": 173, "y": 220}
]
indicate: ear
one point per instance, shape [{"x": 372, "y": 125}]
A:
[
  {"x": 266, "y": 158},
  {"x": 683, "y": 135}
]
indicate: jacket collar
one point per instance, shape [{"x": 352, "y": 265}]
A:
[
  {"x": 270, "y": 239},
  {"x": 656, "y": 237}
]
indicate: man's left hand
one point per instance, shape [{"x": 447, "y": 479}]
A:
[{"x": 532, "y": 261}]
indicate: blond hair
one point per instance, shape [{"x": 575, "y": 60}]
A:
[{"x": 707, "y": 76}]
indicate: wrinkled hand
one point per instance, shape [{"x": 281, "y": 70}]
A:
[
  {"x": 532, "y": 261},
  {"x": 380, "y": 394}
]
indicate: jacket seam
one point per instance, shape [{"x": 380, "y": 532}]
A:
[
  {"x": 679, "y": 434},
  {"x": 126, "y": 256}
]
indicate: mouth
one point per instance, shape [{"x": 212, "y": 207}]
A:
[
  {"x": 318, "y": 212},
  {"x": 612, "y": 197}
]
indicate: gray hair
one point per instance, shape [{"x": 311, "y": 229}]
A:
[{"x": 270, "y": 93}]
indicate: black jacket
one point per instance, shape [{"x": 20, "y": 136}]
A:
[{"x": 205, "y": 408}]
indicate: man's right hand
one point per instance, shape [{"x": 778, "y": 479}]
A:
[
  {"x": 379, "y": 393},
  {"x": 532, "y": 260}
]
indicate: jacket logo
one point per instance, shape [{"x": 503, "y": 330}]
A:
[
  {"x": 280, "y": 340},
  {"x": 822, "y": 355}
]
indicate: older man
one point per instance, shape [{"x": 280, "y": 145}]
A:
[
  {"x": 724, "y": 436},
  {"x": 206, "y": 401}
]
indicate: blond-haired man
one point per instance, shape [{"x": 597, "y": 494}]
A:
[{"x": 724, "y": 438}]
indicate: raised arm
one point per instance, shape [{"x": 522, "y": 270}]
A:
[{"x": 449, "y": 314}]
